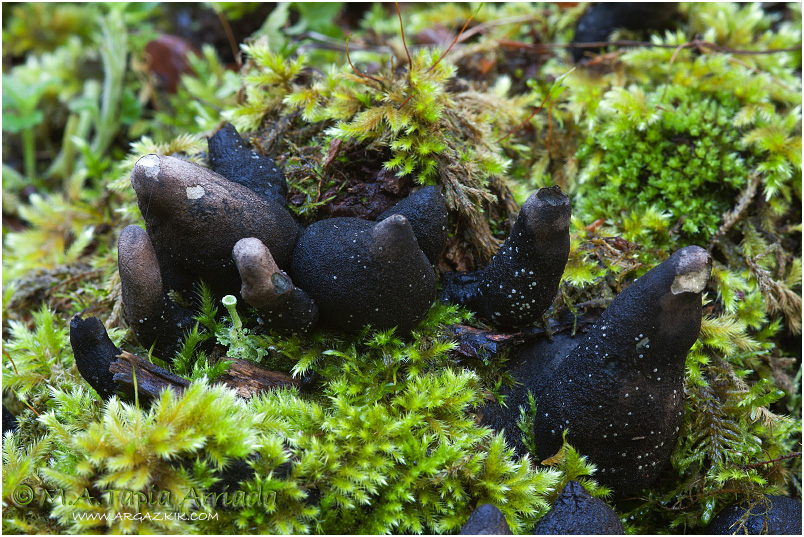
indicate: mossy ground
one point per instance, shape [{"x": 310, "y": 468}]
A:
[{"x": 659, "y": 146}]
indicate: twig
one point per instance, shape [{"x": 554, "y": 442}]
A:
[
  {"x": 30, "y": 406},
  {"x": 626, "y": 43},
  {"x": 26, "y": 403},
  {"x": 730, "y": 218},
  {"x": 8, "y": 355},
  {"x": 330, "y": 43},
  {"x": 670, "y": 67},
  {"x": 771, "y": 461},
  {"x": 678, "y": 224},
  {"x": 246, "y": 378},
  {"x": 499, "y": 22},
  {"x": 529, "y": 118}
]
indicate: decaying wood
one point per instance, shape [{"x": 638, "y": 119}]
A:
[
  {"x": 246, "y": 378},
  {"x": 151, "y": 379}
]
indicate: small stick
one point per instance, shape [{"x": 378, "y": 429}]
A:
[
  {"x": 730, "y": 218},
  {"x": 405, "y": 102},
  {"x": 26, "y": 403},
  {"x": 230, "y": 37},
  {"x": 601, "y": 44},
  {"x": 771, "y": 461},
  {"x": 499, "y": 22},
  {"x": 132, "y": 372},
  {"x": 670, "y": 66},
  {"x": 8, "y": 355}
]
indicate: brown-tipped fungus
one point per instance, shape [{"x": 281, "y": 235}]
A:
[{"x": 620, "y": 392}]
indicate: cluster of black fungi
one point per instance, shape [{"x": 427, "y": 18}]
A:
[{"x": 618, "y": 389}]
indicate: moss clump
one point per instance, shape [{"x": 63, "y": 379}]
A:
[
  {"x": 340, "y": 458},
  {"x": 388, "y": 445},
  {"x": 675, "y": 149},
  {"x": 431, "y": 132}
]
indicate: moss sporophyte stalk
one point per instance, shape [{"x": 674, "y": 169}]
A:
[{"x": 286, "y": 220}]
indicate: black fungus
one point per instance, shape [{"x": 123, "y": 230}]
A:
[
  {"x": 94, "y": 353},
  {"x": 230, "y": 157},
  {"x": 427, "y": 213},
  {"x": 231, "y": 478},
  {"x": 361, "y": 272},
  {"x": 9, "y": 421},
  {"x": 282, "y": 305},
  {"x": 620, "y": 392},
  {"x": 600, "y": 21},
  {"x": 522, "y": 280},
  {"x": 770, "y": 515},
  {"x": 486, "y": 519},
  {"x": 575, "y": 512},
  {"x": 194, "y": 217}
]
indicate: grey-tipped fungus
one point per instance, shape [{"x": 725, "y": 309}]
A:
[
  {"x": 154, "y": 318},
  {"x": 283, "y": 305},
  {"x": 620, "y": 392},
  {"x": 522, "y": 280},
  {"x": 194, "y": 217}
]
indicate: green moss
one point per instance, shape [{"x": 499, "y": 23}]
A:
[
  {"x": 682, "y": 155},
  {"x": 387, "y": 441},
  {"x": 388, "y": 445}
]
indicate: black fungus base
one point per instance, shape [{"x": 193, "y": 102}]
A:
[
  {"x": 487, "y": 519},
  {"x": 531, "y": 365},
  {"x": 157, "y": 322},
  {"x": 620, "y": 393},
  {"x": 779, "y": 515},
  {"x": 575, "y": 512},
  {"x": 361, "y": 272},
  {"x": 94, "y": 353},
  {"x": 297, "y": 314}
]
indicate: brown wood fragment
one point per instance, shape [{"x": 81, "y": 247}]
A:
[
  {"x": 151, "y": 379},
  {"x": 246, "y": 378},
  {"x": 249, "y": 379}
]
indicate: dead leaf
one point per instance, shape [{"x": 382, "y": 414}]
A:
[{"x": 334, "y": 148}]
